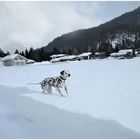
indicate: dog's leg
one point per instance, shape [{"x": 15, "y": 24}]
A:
[
  {"x": 58, "y": 89},
  {"x": 49, "y": 90},
  {"x": 43, "y": 86},
  {"x": 43, "y": 91},
  {"x": 47, "y": 87},
  {"x": 65, "y": 87}
]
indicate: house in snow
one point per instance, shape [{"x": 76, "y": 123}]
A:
[
  {"x": 65, "y": 58},
  {"x": 14, "y": 59},
  {"x": 100, "y": 55},
  {"x": 29, "y": 61},
  {"x": 137, "y": 51},
  {"x": 86, "y": 55},
  {"x": 54, "y": 56},
  {"x": 128, "y": 53}
]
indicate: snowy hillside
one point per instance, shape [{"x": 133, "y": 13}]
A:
[
  {"x": 126, "y": 38},
  {"x": 103, "y": 101}
]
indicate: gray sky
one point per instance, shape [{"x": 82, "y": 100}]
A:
[{"x": 37, "y": 23}]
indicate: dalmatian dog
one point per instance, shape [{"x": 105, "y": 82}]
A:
[{"x": 56, "y": 82}]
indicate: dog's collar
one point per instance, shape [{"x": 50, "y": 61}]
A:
[{"x": 62, "y": 78}]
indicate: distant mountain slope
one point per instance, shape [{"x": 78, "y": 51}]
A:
[{"x": 82, "y": 39}]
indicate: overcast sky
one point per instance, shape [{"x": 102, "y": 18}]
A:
[{"x": 37, "y": 23}]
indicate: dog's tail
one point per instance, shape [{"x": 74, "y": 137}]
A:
[{"x": 34, "y": 83}]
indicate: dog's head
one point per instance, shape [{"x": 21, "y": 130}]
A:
[{"x": 65, "y": 73}]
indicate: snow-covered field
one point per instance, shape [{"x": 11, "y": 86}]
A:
[{"x": 103, "y": 101}]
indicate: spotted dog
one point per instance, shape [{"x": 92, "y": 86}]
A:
[{"x": 56, "y": 82}]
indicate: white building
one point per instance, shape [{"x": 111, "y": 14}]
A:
[
  {"x": 14, "y": 59},
  {"x": 57, "y": 56},
  {"x": 123, "y": 53},
  {"x": 29, "y": 61},
  {"x": 86, "y": 55},
  {"x": 65, "y": 58},
  {"x": 100, "y": 55}
]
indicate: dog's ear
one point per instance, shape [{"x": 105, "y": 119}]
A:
[{"x": 62, "y": 72}]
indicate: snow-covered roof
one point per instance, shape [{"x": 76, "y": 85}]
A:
[
  {"x": 114, "y": 54},
  {"x": 125, "y": 51},
  {"x": 57, "y": 55},
  {"x": 11, "y": 57},
  {"x": 85, "y": 54},
  {"x": 30, "y": 60},
  {"x": 99, "y": 53},
  {"x": 69, "y": 57},
  {"x": 121, "y": 52}
]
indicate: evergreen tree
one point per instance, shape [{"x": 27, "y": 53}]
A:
[
  {"x": 22, "y": 53},
  {"x": 106, "y": 47},
  {"x": 31, "y": 53},
  {"x": 16, "y": 52},
  {"x": 26, "y": 53},
  {"x": 8, "y": 53},
  {"x": 69, "y": 51},
  {"x": 75, "y": 52},
  {"x": 55, "y": 51},
  {"x": 2, "y": 54}
]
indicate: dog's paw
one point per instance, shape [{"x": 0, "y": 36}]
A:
[{"x": 63, "y": 95}]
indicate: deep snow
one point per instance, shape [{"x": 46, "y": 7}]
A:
[{"x": 107, "y": 90}]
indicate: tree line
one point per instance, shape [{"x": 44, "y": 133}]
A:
[{"x": 42, "y": 54}]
